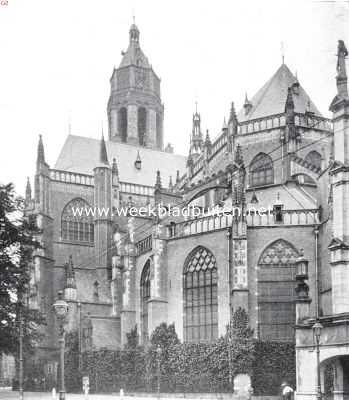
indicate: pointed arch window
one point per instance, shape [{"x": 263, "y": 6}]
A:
[
  {"x": 200, "y": 296},
  {"x": 159, "y": 139},
  {"x": 261, "y": 170},
  {"x": 75, "y": 227},
  {"x": 145, "y": 296},
  {"x": 142, "y": 125},
  {"x": 122, "y": 122},
  {"x": 276, "y": 292}
]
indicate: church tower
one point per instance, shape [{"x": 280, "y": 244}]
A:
[{"x": 135, "y": 111}]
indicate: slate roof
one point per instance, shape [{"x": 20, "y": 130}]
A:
[
  {"x": 271, "y": 98},
  {"x": 81, "y": 155}
]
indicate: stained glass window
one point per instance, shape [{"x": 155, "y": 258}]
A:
[
  {"x": 261, "y": 170},
  {"x": 76, "y": 225},
  {"x": 200, "y": 296}
]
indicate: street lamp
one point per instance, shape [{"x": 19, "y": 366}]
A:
[
  {"x": 317, "y": 327},
  {"x": 158, "y": 353},
  {"x": 60, "y": 308}
]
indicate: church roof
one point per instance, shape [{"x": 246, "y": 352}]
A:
[
  {"x": 271, "y": 98},
  {"x": 81, "y": 155}
]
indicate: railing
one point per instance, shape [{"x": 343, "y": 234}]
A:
[
  {"x": 144, "y": 245},
  {"x": 83, "y": 179},
  {"x": 71, "y": 177},
  {"x": 283, "y": 217},
  {"x": 279, "y": 120},
  {"x": 312, "y": 121},
  {"x": 275, "y": 121},
  {"x": 204, "y": 224},
  {"x": 136, "y": 189},
  {"x": 253, "y": 219}
]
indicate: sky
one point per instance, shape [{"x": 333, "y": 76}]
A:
[{"x": 57, "y": 56}]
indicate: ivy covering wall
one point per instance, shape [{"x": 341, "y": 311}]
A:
[{"x": 186, "y": 367}]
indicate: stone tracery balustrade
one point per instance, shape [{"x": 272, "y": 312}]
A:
[
  {"x": 137, "y": 189},
  {"x": 216, "y": 222},
  {"x": 71, "y": 177},
  {"x": 83, "y": 179}
]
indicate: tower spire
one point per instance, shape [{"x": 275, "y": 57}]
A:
[
  {"x": 41, "y": 153},
  {"x": 28, "y": 191},
  {"x": 103, "y": 157}
]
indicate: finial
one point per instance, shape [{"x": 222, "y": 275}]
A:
[
  {"x": 289, "y": 100},
  {"x": 115, "y": 167},
  {"x": 177, "y": 176},
  {"x": 207, "y": 139},
  {"x": 232, "y": 117},
  {"x": 158, "y": 180},
  {"x": 196, "y": 106},
  {"x": 225, "y": 126},
  {"x": 283, "y": 53}
]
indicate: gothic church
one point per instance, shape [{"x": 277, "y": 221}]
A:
[{"x": 118, "y": 272}]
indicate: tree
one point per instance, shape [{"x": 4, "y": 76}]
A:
[
  {"x": 164, "y": 335},
  {"x": 17, "y": 244}
]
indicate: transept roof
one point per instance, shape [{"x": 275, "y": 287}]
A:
[{"x": 271, "y": 98}]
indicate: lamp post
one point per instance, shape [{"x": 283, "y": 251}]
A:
[
  {"x": 158, "y": 353},
  {"x": 60, "y": 308},
  {"x": 21, "y": 335},
  {"x": 317, "y": 327}
]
